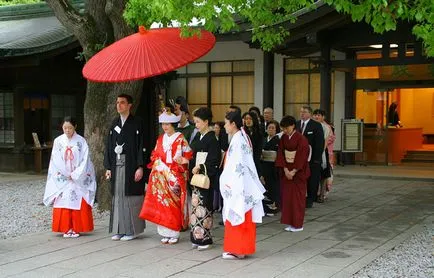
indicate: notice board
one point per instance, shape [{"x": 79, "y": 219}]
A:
[{"x": 352, "y": 135}]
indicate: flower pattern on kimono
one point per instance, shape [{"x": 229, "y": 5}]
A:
[
  {"x": 174, "y": 187},
  {"x": 200, "y": 211},
  {"x": 252, "y": 174},
  {"x": 79, "y": 145},
  {"x": 227, "y": 193},
  {"x": 230, "y": 150},
  {"x": 248, "y": 200},
  {"x": 234, "y": 216},
  {"x": 73, "y": 196},
  {"x": 198, "y": 232},
  {"x": 193, "y": 219},
  {"x": 61, "y": 177},
  {"x": 207, "y": 223},
  {"x": 246, "y": 149},
  {"x": 87, "y": 180},
  {"x": 194, "y": 200},
  {"x": 239, "y": 168}
]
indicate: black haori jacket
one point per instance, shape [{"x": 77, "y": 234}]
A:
[{"x": 131, "y": 135}]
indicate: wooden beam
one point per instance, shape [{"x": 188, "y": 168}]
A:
[
  {"x": 374, "y": 84},
  {"x": 268, "y": 83},
  {"x": 348, "y": 63},
  {"x": 325, "y": 80},
  {"x": 19, "y": 62},
  {"x": 315, "y": 27}
]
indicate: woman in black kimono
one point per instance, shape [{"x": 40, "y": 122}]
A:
[
  {"x": 251, "y": 126},
  {"x": 269, "y": 172},
  {"x": 222, "y": 138},
  {"x": 201, "y": 218}
]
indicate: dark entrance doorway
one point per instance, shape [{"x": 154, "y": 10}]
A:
[{"x": 36, "y": 117}]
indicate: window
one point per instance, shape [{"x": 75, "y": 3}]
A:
[
  {"x": 216, "y": 85},
  {"x": 61, "y": 106},
  {"x": 302, "y": 86},
  {"x": 7, "y": 130}
]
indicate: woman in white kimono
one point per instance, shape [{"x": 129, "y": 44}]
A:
[
  {"x": 71, "y": 184},
  {"x": 242, "y": 192}
]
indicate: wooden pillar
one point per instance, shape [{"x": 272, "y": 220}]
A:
[
  {"x": 350, "y": 104},
  {"x": 268, "y": 83},
  {"x": 325, "y": 72},
  {"x": 19, "y": 117},
  {"x": 350, "y": 87},
  {"x": 380, "y": 108}
]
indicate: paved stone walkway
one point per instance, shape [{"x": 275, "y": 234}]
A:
[{"x": 362, "y": 219}]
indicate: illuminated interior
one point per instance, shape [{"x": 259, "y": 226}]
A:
[{"x": 415, "y": 105}]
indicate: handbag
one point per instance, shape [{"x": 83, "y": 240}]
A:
[
  {"x": 200, "y": 180},
  {"x": 290, "y": 156}
]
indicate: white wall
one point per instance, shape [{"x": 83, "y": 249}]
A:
[
  {"x": 279, "y": 65},
  {"x": 339, "y": 99}
]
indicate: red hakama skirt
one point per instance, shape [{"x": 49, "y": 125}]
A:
[
  {"x": 78, "y": 220},
  {"x": 240, "y": 239}
]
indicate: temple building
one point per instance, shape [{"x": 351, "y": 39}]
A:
[{"x": 328, "y": 62}]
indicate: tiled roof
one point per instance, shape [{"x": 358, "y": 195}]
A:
[{"x": 31, "y": 29}]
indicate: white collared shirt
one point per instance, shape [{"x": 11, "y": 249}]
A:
[
  {"x": 186, "y": 124},
  {"x": 123, "y": 119},
  {"x": 304, "y": 126}
]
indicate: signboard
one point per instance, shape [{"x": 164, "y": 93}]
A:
[
  {"x": 352, "y": 136},
  {"x": 36, "y": 140}
]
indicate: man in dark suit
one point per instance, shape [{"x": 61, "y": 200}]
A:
[{"x": 314, "y": 133}]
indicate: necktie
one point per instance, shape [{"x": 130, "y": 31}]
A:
[{"x": 302, "y": 127}]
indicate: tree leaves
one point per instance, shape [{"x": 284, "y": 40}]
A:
[
  {"x": 259, "y": 16},
  {"x": 262, "y": 17}
]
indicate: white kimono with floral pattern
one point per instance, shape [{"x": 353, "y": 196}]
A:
[
  {"x": 240, "y": 186},
  {"x": 71, "y": 175}
]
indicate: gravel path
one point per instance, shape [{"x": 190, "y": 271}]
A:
[
  {"x": 22, "y": 211},
  {"x": 412, "y": 258}
]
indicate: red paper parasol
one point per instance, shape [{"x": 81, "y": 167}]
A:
[{"x": 145, "y": 54}]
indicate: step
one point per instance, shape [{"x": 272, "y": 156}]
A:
[
  {"x": 419, "y": 156},
  {"x": 418, "y": 160},
  {"x": 417, "y": 164},
  {"x": 421, "y": 151}
]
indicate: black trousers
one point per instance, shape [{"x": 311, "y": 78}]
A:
[
  {"x": 313, "y": 182},
  {"x": 272, "y": 183}
]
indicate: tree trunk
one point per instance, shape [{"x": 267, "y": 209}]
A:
[
  {"x": 99, "y": 112},
  {"x": 99, "y": 26}
]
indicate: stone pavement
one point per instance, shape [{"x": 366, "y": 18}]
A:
[
  {"x": 386, "y": 172},
  {"x": 363, "y": 218}
]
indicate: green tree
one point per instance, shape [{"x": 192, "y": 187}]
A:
[{"x": 264, "y": 16}]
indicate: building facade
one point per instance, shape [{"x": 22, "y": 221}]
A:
[{"x": 328, "y": 62}]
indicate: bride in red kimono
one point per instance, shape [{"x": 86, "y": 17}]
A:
[
  {"x": 165, "y": 199},
  {"x": 294, "y": 172}
]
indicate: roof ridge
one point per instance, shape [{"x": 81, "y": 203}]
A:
[{"x": 24, "y": 11}]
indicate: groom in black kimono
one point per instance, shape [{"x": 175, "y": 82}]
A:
[{"x": 124, "y": 161}]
